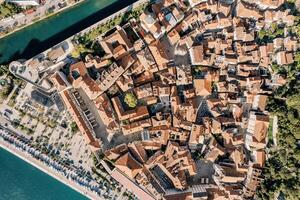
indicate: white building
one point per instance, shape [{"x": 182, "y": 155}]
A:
[{"x": 25, "y": 2}]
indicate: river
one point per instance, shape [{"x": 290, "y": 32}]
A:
[{"x": 44, "y": 34}]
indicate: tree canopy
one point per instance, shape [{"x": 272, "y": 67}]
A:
[
  {"x": 282, "y": 172},
  {"x": 130, "y": 100}
]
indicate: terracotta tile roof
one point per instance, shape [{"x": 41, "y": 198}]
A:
[
  {"x": 139, "y": 112},
  {"x": 260, "y": 102},
  {"x": 238, "y": 156},
  {"x": 267, "y": 4},
  {"x": 179, "y": 196},
  {"x": 79, "y": 67},
  {"x": 173, "y": 36},
  {"x": 284, "y": 58},
  {"x": 159, "y": 53},
  {"x": 116, "y": 42},
  {"x": 116, "y": 152},
  {"x": 260, "y": 158},
  {"x": 196, "y": 54},
  {"x": 247, "y": 11},
  {"x": 136, "y": 127},
  {"x": 260, "y": 131},
  {"x": 138, "y": 151},
  {"x": 60, "y": 81},
  {"x": 143, "y": 91},
  {"x": 202, "y": 87},
  {"x": 197, "y": 135},
  {"x": 128, "y": 165},
  {"x": 80, "y": 121},
  {"x": 131, "y": 186}
]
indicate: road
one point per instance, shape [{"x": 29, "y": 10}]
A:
[{"x": 41, "y": 11}]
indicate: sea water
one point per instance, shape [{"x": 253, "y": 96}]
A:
[{"x": 22, "y": 181}]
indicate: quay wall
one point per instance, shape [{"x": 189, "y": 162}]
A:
[
  {"x": 120, "y": 12},
  {"x": 41, "y": 166}
]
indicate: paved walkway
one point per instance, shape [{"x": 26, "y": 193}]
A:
[{"x": 275, "y": 130}]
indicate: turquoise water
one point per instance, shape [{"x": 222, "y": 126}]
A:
[
  {"x": 21, "y": 181},
  {"x": 44, "y": 34}
]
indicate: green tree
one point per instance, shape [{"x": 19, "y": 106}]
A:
[
  {"x": 294, "y": 102},
  {"x": 5, "y": 90},
  {"x": 3, "y": 69},
  {"x": 282, "y": 168},
  {"x": 74, "y": 127},
  {"x": 130, "y": 100}
]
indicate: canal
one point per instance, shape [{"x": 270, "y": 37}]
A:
[{"x": 46, "y": 33}]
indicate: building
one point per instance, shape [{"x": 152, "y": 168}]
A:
[
  {"x": 155, "y": 175},
  {"x": 25, "y": 2},
  {"x": 257, "y": 130},
  {"x": 79, "y": 78},
  {"x": 202, "y": 87},
  {"x": 116, "y": 43},
  {"x": 82, "y": 123}
]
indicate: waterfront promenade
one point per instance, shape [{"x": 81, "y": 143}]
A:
[
  {"x": 41, "y": 13},
  {"x": 22, "y": 150}
]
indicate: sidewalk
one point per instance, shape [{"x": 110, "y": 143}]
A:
[{"x": 36, "y": 163}]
